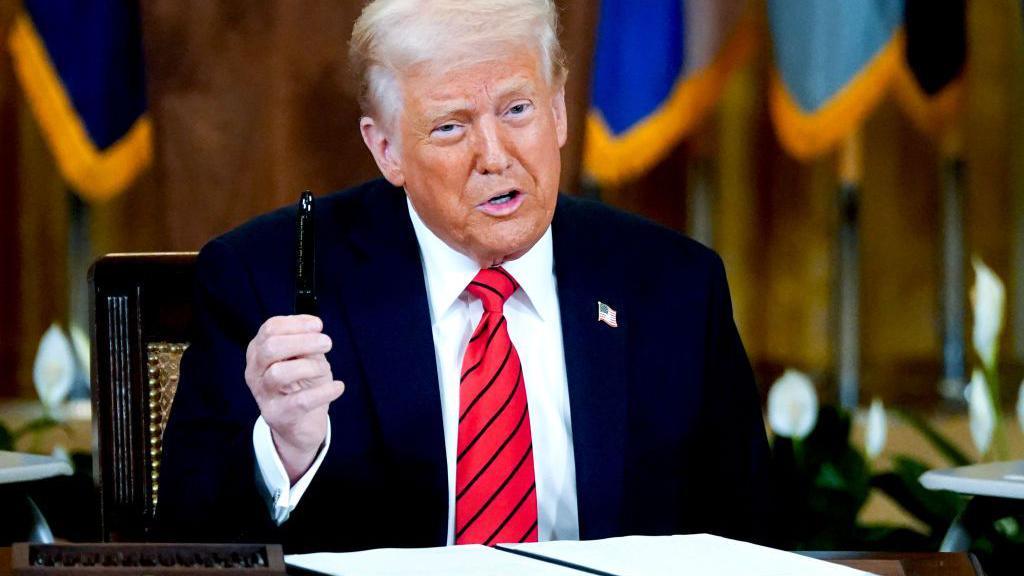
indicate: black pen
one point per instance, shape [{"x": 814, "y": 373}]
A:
[{"x": 305, "y": 257}]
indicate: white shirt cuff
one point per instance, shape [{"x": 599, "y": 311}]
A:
[{"x": 281, "y": 496}]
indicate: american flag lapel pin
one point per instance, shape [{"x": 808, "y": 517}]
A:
[{"x": 606, "y": 314}]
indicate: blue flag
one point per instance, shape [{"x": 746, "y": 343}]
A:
[
  {"x": 659, "y": 66},
  {"x": 81, "y": 67},
  {"x": 834, "y": 60}
]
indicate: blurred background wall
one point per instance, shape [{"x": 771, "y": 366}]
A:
[{"x": 249, "y": 104}]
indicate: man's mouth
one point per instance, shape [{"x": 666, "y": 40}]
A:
[
  {"x": 503, "y": 198},
  {"x": 502, "y": 204}
]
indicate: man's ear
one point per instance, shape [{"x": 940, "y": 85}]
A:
[
  {"x": 384, "y": 150},
  {"x": 558, "y": 109}
]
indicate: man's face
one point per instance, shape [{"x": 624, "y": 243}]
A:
[{"x": 477, "y": 151}]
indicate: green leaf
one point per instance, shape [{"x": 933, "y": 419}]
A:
[
  {"x": 1009, "y": 527},
  {"x": 41, "y": 424},
  {"x": 886, "y": 537},
  {"x": 936, "y": 508},
  {"x": 945, "y": 447},
  {"x": 830, "y": 478}
]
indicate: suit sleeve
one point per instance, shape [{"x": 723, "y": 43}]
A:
[
  {"x": 209, "y": 488},
  {"x": 737, "y": 441}
]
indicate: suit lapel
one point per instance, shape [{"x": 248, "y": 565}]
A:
[
  {"x": 595, "y": 361},
  {"x": 385, "y": 303}
]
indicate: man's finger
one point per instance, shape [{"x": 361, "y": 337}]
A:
[
  {"x": 315, "y": 397},
  {"x": 278, "y": 348},
  {"x": 297, "y": 324},
  {"x": 282, "y": 374}
]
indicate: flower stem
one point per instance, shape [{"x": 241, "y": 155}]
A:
[{"x": 1001, "y": 451}]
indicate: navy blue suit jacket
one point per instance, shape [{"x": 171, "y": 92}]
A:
[{"x": 667, "y": 430}]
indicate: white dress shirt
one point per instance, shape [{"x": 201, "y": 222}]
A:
[{"x": 535, "y": 327}]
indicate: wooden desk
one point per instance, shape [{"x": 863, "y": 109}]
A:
[
  {"x": 905, "y": 564},
  {"x": 883, "y": 564}
]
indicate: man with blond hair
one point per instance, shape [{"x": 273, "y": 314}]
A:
[{"x": 491, "y": 362}]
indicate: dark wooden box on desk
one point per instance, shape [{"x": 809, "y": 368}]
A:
[{"x": 142, "y": 559}]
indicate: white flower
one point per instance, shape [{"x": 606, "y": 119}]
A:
[
  {"x": 1020, "y": 406},
  {"x": 54, "y": 368},
  {"x": 988, "y": 299},
  {"x": 81, "y": 344},
  {"x": 980, "y": 411},
  {"x": 874, "y": 436},
  {"x": 792, "y": 405}
]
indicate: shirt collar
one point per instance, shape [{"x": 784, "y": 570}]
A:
[{"x": 447, "y": 272}]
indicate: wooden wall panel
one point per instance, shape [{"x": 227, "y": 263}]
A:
[
  {"x": 737, "y": 226},
  {"x": 43, "y": 232},
  {"x": 223, "y": 86},
  {"x": 578, "y": 22},
  {"x": 987, "y": 143},
  {"x": 901, "y": 266},
  {"x": 798, "y": 254},
  {"x": 10, "y": 288},
  {"x": 1016, "y": 127},
  {"x": 134, "y": 221}
]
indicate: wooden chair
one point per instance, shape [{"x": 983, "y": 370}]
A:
[{"x": 141, "y": 307}]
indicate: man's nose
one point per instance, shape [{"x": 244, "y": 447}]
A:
[{"x": 492, "y": 152}]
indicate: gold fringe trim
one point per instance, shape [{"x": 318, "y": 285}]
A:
[
  {"x": 95, "y": 175},
  {"x": 612, "y": 160},
  {"x": 806, "y": 135}
]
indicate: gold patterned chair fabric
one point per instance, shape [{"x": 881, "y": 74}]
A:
[
  {"x": 141, "y": 319},
  {"x": 163, "y": 363}
]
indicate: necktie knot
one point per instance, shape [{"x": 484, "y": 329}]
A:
[{"x": 493, "y": 286}]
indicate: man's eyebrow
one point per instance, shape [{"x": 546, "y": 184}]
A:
[
  {"x": 514, "y": 86},
  {"x": 444, "y": 109}
]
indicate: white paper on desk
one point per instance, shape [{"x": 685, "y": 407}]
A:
[
  {"x": 692, "y": 554},
  {"x": 472, "y": 560}
]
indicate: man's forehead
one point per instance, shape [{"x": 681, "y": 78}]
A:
[
  {"x": 493, "y": 86},
  {"x": 463, "y": 94},
  {"x": 489, "y": 67}
]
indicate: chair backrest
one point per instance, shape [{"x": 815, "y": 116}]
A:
[{"x": 141, "y": 308}]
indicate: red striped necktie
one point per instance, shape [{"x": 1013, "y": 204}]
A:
[{"x": 495, "y": 492}]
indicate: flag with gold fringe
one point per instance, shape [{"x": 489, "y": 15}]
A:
[
  {"x": 834, "y": 61},
  {"x": 81, "y": 67},
  {"x": 659, "y": 66},
  {"x": 929, "y": 85}
]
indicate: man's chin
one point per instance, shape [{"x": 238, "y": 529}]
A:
[
  {"x": 499, "y": 242},
  {"x": 498, "y": 255}
]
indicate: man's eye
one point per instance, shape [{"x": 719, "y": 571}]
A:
[
  {"x": 518, "y": 108},
  {"x": 445, "y": 128}
]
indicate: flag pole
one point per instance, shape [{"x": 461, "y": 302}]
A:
[
  {"x": 847, "y": 295},
  {"x": 79, "y": 258},
  {"x": 954, "y": 282},
  {"x": 701, "y": 196}
]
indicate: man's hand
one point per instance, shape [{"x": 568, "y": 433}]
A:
[{"x": 288, "y": 374}]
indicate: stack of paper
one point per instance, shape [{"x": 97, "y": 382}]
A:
[
  {"x": 450, "y": 561},
  {"x": 693, "y": 554},
  {"x": 628, "y": 556}
]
